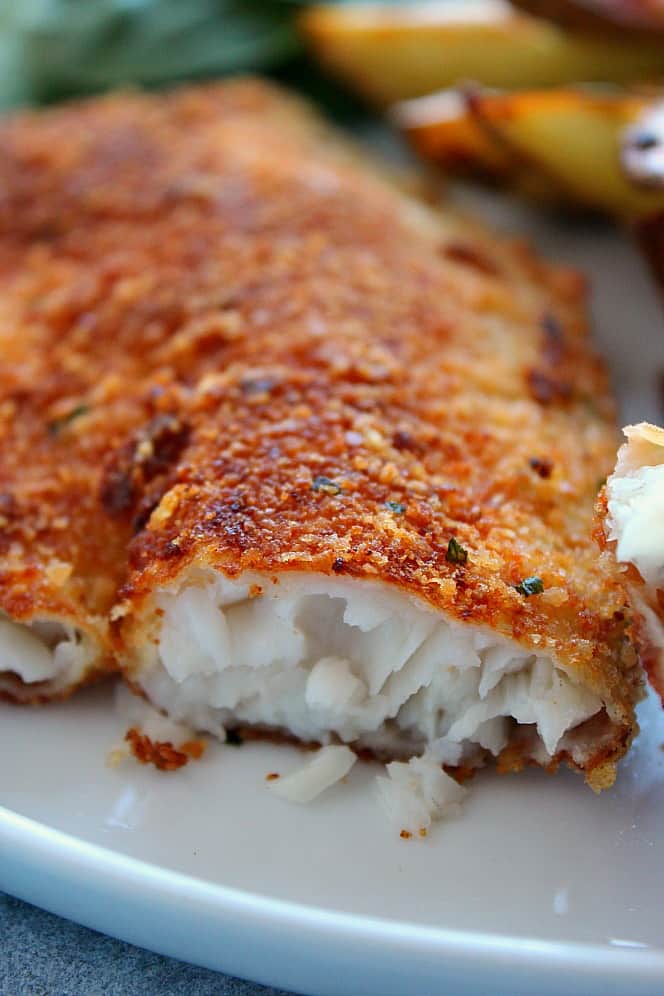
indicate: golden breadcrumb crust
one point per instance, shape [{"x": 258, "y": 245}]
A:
[
  {"x": 651, "y": 652},
  {"x": 109, "y": 309},
  {"x": 258, "y": 354},
  {"x": 161, "y": 753}
]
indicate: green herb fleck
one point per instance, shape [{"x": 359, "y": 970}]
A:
[
  {"x": 233, "y": 738},
  {"x": 325, "y": 485},
  {"x": 395, "y": 506},
  {"x": 58, "y": 424},
  {"x": 530, "y": 586},
  {"x": 146, "y": 42},
  {"x": 456, "y": 554}
]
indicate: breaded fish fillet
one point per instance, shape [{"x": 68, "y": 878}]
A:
[
  {"x": 122, "y": 224},
  {"x": 379, "y": 527},
  {"x": 358, "y": 442},
  {"x": 631, "y": 524}
]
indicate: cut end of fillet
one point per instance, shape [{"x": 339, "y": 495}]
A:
[
  {"x": 632, "y": 513},
  {"x": 44, "y": 659},
  {"x": 330, "y": 660}
]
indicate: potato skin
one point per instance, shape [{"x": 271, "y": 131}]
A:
[
  {"x": 565, "y": 146},
  {"x": 399, "y": 51}
]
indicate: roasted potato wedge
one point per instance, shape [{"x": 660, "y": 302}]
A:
[
  {"x": 394, "y": 52},
  {"x": 572, "y": 138},
  {"x": 443, "y": 129},
  {"x": 638, "y": 18},
  {"x": 570, "y": 145}
]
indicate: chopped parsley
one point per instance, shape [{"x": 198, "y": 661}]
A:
[
  {"x": 56, "y": 426},
  {"x": 233, "y": 738},
  {"x": 530, "y": 586},
  {"x": 395, "y": 506},
  {"x": 325, "y": 485},
  {"x": 456, "y": 554}
]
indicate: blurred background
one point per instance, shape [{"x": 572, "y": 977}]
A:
[
  {"x": 54, "y": 49},
  {"x": 558, "y": 101}
]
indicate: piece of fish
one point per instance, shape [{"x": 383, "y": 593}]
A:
[
  {"x": 379, "y": 529},
  {"x": 631, "y": 525},
  {"x": 357, "y": 442},
  {"x": 121, "y": 224}
]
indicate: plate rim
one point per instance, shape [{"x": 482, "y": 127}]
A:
[{"x": 32, "y": 846}]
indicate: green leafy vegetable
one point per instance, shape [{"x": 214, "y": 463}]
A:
[
  {"x": 54, "y": 48},
  {"x": 396, "y": 506}
]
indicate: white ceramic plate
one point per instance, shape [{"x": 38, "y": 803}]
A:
[{"x": 540, "y": 887}]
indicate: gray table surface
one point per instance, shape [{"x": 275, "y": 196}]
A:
[{"x": 42, "y": 955}]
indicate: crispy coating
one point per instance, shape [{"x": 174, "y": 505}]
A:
[
  {"x": 114, "y": 217},
  {"x": 288, "y": 364},
  {"x": 161, "y": 753},
  {"x": 641, "y": 452}
]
